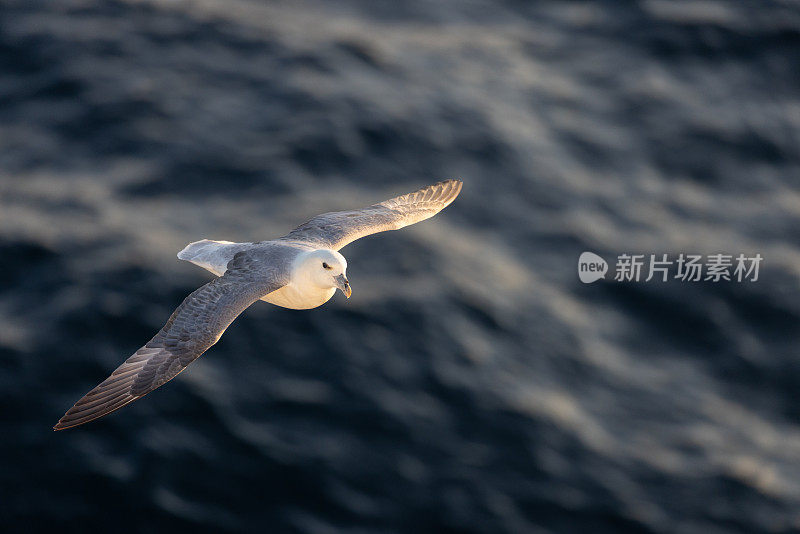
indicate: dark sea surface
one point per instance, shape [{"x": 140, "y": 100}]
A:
[{"x": 472, "y": 383}]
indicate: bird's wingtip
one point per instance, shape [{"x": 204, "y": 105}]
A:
[{"x": 61, "y": 425}]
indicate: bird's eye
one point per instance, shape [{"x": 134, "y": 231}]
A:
[{"x": 325, "y": 266}]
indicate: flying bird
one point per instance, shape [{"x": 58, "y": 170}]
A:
[{"x": 300, "y": 270}]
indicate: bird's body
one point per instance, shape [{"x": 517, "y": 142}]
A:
[
  {"x": 297, "y": 297},
  {"x": 297, "y": 294},
  {"x": 301, "y": 270}
]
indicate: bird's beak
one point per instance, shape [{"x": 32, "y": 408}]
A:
[{"x": 344, "y": 285}]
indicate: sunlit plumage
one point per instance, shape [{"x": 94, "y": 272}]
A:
[{"x": 301, "y": 270}]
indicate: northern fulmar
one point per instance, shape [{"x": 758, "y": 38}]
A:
[{"x": 300, "y": 270}]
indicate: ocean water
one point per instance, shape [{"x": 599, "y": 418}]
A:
[{"x": 472, "y": 383}]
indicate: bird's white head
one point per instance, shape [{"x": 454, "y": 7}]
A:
[{"x": 326, "y": 269}]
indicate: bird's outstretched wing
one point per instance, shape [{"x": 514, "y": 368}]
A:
[
  {"x": 193, "y": 327},
  {"x": 337, "y": 229}
]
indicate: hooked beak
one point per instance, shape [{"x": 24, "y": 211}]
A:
[{"x": 344, "y": 285}]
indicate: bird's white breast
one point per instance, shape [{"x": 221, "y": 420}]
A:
[{"x": 297, "y": 298}]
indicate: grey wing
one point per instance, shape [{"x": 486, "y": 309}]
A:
[
  {"x": 337, "y": 229},
  {"x": 193, "y": 327}
]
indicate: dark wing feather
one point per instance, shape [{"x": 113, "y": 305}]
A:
[
  {"x": 194, "y": 327},
  {"x": 337, "y": 229}
]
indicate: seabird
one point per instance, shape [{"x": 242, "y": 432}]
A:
[{"x": 300, "y": 270}]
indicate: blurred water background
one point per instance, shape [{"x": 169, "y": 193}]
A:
[{"x": 472, "y": 383}]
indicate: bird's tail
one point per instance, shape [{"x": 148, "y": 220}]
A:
[{"x": 211, "y": 255}]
